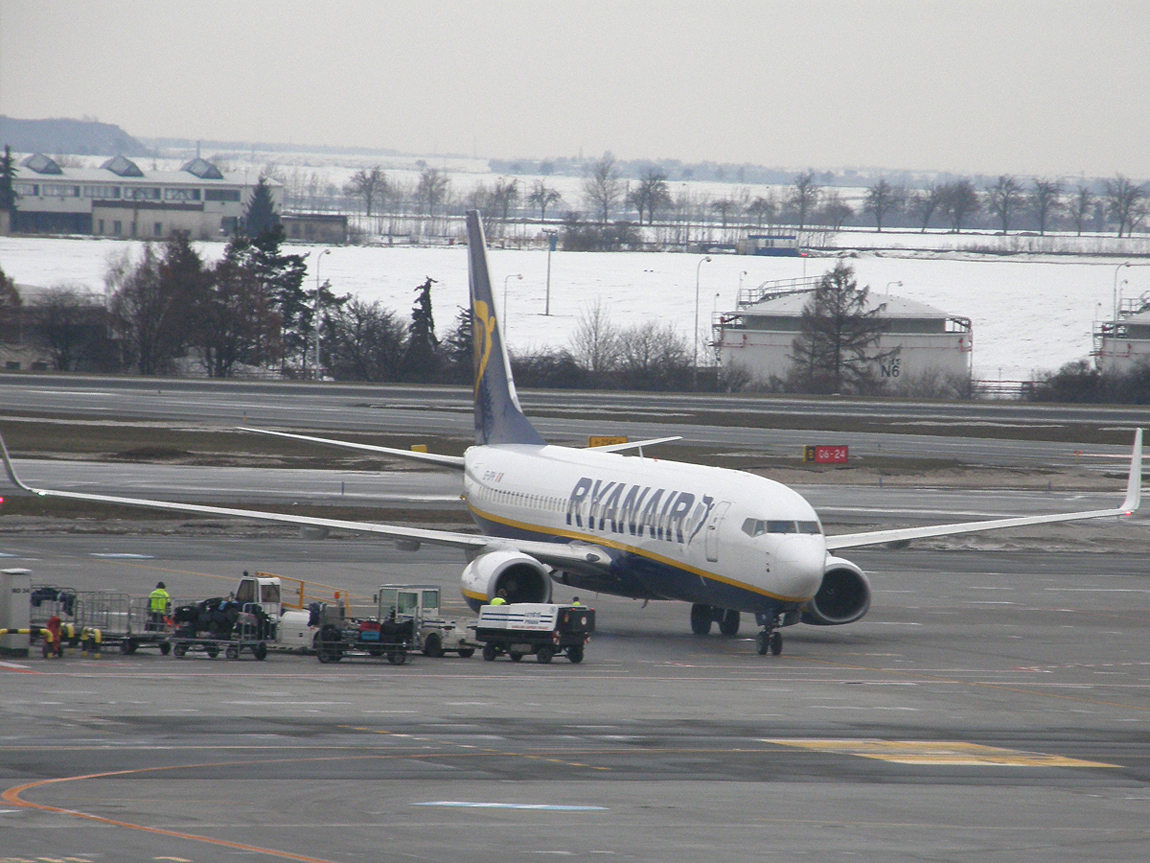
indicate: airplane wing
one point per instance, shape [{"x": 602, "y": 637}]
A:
[
  {"x": 879, "y": 537},
  {"x": 453, "y": 461},
  {"x": 561, "y": 555}
]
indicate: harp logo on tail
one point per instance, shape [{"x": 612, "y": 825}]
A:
[{"x": 484, "y": 326}]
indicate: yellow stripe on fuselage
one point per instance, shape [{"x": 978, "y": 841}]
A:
[{"x": 631, "y": 549}]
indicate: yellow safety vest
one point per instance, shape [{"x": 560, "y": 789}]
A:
[{"x": 158, "y": 600}]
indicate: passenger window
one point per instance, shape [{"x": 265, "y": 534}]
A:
[{"x": 780, "y": 527}]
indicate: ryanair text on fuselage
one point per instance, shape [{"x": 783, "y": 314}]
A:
[{"x": 632, "y": 509}]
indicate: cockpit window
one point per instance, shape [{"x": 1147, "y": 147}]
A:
[{"x": 758, "y": 526}]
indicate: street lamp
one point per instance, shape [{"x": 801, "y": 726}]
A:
[
  {"x": 695, "y": 364},
  {"x": 888, "y": 284},
  {"x": 505, "y": 278},
  {"x": 551, "y": 235},
  {"x": 318, "y": 258},
  {"x": 1116, "y": 270}
]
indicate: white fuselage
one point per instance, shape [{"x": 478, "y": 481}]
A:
[{"x": 687, "y": 531}]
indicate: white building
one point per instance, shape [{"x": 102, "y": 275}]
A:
[
  {"x": 118, "y": 199},
  {"x": 759, "y": 335},
  {"x": 1121, "y": 345}
]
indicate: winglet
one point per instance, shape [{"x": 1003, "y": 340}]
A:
[
  {"x": 1134, "y": 483},
  {"x": 16, "y": 481}
]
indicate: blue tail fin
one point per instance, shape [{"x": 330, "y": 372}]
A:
[{"x": 498, "y": 417}]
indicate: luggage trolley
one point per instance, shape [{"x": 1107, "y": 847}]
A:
[{"x": 220, "y": 625}]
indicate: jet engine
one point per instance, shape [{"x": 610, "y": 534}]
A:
[
  {"x": 523, "y": 577},
  {"x": 843, "y": 597}
]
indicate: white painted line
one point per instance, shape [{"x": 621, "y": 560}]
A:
[
  {"x": 121, "y": 556},
  {"x": 12, "y": 665},
  {"x": 544, "y": 807}
]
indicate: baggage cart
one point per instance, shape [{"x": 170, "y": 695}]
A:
[
  {"x": 341, "y": 638},
  {"x": 242, "y": 629}
]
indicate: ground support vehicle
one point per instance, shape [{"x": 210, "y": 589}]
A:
[
  {"x": 543, "y": 629},
  {"x": 434, "y": 634},
  {"x": 220, "y": 626},
  {"x": 341, "y": 637}
]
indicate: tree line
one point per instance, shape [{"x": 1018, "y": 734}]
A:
[{"x": 611, "y": 207}]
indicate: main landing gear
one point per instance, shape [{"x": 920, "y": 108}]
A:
[{"x": 702, "y": 616}]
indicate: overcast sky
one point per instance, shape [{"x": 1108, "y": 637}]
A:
[{"x": 992, "y": 87}]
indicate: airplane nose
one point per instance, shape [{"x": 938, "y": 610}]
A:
[{"x": 799, "y": 565}]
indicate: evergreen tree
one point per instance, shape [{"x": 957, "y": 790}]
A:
[
  {"x": 260, "y": 214},
  {"x": 10, "y": 308},
  {"x": 7, "y": 179},
  {"x": 421, "y": 363},
  {"x": 458, "y": 348},
  {"x": 834, "y": 351}
]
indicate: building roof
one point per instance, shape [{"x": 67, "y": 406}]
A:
[
  {"x": 791, "y": 305},
  {"x": 121, "y": 170}
]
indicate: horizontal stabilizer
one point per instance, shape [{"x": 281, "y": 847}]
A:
[{"x": 636, "y": 444}]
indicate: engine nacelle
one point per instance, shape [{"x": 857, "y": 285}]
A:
[
  {"x": 523, "y": 577},
  {"x": 843, "y": 597}
]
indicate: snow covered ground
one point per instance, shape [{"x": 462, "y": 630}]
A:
[{"x": 1029, "y": 312}]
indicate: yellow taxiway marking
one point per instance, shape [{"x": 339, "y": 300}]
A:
[{"x": 933, "y": 752}]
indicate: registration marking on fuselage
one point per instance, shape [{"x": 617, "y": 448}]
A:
[{"x": 935, "y": 752}]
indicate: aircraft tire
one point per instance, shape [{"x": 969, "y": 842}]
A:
[
  {"x": 729, "y": 625},
  {"x": 776, "y": 643},
  {"x": 701, "y": 618},
  {"x": 762, "y": 643}
]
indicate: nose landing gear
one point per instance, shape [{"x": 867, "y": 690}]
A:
[{"x": 770, "y": 639}]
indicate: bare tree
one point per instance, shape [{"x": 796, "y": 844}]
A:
[
  {"x": 595, "y": 342},
  {"x": 504, "y": 197},
  {"x": 651, "y": 194},
  {"x": 926, "y": 202},
  {"x": 804, "y": 195},
  {"x": 432, "y": 189},
  {"x": 1003, "y": 198},
  {"x": 1045, "y": 201},
  {"x": 881, "y": 198},
  {"x": 959, "y": 200},
  {"x": 543, "y": 196},
  {"x": 364, "y": 342},
  {"x": 835, "y": 211},
  {"x": 1081, "y": 206},
  {"x": 370, "y": 184},
  {"x": 602, "y": 188},
  {"x": 1122, "y": 197},
  {"x": 724, "y": 207},
  {"x": 763, "y": 209},
  {"x": 10, "y": 307},
  {"x": 653, "y": 357},
  {"x": 70, "y": 319}
]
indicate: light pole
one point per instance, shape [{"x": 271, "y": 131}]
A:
[
  {"x": 551, "y": 235},
  {"x": 1114, "y": 319},
  {"x": 695, "y": 363},
  {"x": 888, "y": 284},
  {"x": 505, "y": 278},
  {"x": 318, "y": 258}
]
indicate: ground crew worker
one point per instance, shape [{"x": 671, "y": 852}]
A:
[
  {"x": 500, "y": 598},
  {"x": 158, "y": 601},
  {"x": 575, "y": 601}
]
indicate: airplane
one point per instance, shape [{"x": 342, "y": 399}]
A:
[{"x": 597, "y": 520}]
